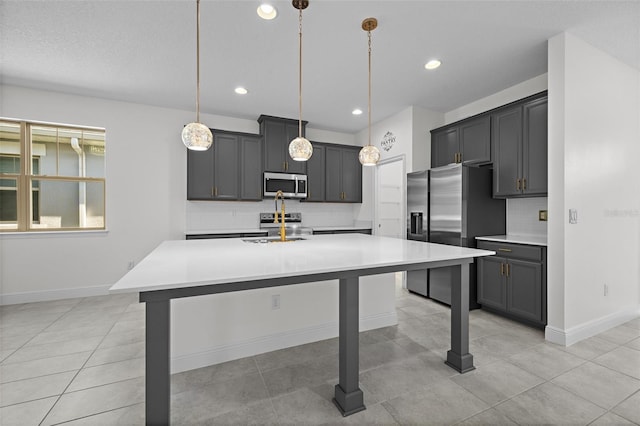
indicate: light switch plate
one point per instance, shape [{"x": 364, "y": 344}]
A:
[
  {"x": 573, "y": 216},
  {"x": 542, "y": 215}
]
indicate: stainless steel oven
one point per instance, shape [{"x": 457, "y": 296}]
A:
[{"x": 291, "y": 185}]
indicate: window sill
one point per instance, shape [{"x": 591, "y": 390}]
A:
[{"x": 52, "y": 234}]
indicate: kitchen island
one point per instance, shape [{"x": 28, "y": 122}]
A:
[{"x": 189, "y": 268}]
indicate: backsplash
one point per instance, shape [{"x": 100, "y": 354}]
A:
[
  {"x": 221, "y": 215},
  {"x": 522, "y": 216}
]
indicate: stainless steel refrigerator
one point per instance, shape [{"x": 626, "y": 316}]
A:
[
  {"x": 418, "y": 224},
  {"x": 461, "y": 208}
]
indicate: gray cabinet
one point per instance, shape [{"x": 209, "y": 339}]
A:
[
  {"x": 519, "y": 143},
  {"x": 250, "y": 167},
  {"x": 278, "y": 133},
  {"x": 343, "y": 174},
  {"x": 366, "y": 231},
  {"x": 316, "y": 174},
  {"x": 444, "y": 146},
  {"x": 229, "y": 170},
  {"x": 467, "y": 141},
  {"x": 226, "y": 235},
  {"x": 513, "y": 282}
]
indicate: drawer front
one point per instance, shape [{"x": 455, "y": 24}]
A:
[{"x": 509, "y": 250}]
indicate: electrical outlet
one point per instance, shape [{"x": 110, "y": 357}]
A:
[
  {"x": 131, "y": 264},
  {"x": 542, "y": 215},
  {"x": 275, "y": 302},
  {"x": 573, "y": 216},
  {"x": 606, "y": 290}
]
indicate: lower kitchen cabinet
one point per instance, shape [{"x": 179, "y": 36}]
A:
[
  {"x": 226, "y": 235},
  {"x": 513, "y": 282},
  {"x": 366, "y": 231}
]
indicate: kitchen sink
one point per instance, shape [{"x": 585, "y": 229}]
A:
[{"x": 272, "y": 240}]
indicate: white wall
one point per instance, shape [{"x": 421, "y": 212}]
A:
[
  {"x": 423, "y": 121},
  {"x": 522, "y": 216},
  {"x": 146, "y": 176},
  {"x": 594, "y": 111},
  {"x": 146, "y": 204},
  {"x": 412, "y": 139},
  {"x": 510, "y": 94}
]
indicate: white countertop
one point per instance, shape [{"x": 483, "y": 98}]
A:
[
  {"x": 187, "y": 263},
  {"x": 534, "y": 240}
]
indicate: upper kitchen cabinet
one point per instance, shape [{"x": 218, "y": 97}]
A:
[
  {"x": 444, "y": 146},
  {"x": 250, "y": 167},
  {"x": 278, "y": 133},
  {"x": 229, "y": 170},
  {"x": 519, "y": 142},
  {"x": 316, "y": 174},
  {"x": 467, "y": 141},
  {"x": 343, "y": 174}
]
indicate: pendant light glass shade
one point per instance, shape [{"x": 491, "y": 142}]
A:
[
  {"x": 300, "y": 149},
  {"x": 196, "y": 136},
  {"x": 369, "y": 154}
]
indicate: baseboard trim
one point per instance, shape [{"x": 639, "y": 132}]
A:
[
  {"x": 48, "y": 295},
  {"x": 258, "y": 345},
  {"x": 589, "y": 329}
]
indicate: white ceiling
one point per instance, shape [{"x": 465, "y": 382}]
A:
[{"x": 144, "y": 51}]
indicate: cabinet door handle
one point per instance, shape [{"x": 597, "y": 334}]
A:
[
  {"x": 286, "y": 166},
  {"x": 459, "y": 157},
  {"x": 215, "y": 191},
  {"x": 524, "y": 183},
  {"x": 505, "y": 250},
  {"x": 507, "y": 269},
  {"x": 501, "y": 268},
  {"x": 518, "y": 184}
]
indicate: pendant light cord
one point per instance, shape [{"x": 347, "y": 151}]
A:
[
  {"x": 300, "y": 72},
  {"x": 198, "y": 61},
  {"x": 369, "y": 106}
]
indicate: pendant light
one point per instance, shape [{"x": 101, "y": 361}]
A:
[
  {"x": 300, "y": 149},
  {"x": 196, "y": 136},
  {"x": 369, "y": 155}
]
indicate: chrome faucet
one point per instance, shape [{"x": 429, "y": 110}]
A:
[{"x": 283, "y": 232}]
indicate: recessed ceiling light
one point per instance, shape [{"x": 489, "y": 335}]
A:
[
  {"x": 432, "y": 64},
  {"x": 267, "y": 11},
  {"x": 241, "y": 91},
  {"x": 356, "y": 111}
]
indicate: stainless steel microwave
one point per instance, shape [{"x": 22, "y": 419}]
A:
[{"x": 291, "y": 185}]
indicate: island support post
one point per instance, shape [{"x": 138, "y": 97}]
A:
[
  {"x": 348, "y": 396},
  {"x": 458, "y": 357}
]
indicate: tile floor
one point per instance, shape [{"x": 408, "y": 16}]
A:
[{"x": 81, "y": 362}]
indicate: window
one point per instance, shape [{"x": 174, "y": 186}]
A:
[{"x": 52, "y": 177}]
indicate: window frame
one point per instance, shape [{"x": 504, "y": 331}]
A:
[{"x": 24, "y": 180}]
